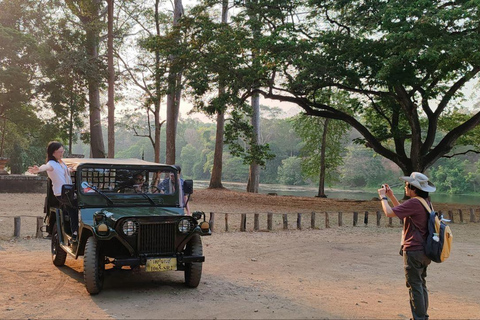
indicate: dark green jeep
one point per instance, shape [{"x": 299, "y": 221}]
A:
[{"x": 130, "y": 214}]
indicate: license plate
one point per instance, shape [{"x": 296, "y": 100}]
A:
[{"x": 161, "y": 264}]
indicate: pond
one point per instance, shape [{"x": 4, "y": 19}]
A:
[{"x": 309, "y": 191}]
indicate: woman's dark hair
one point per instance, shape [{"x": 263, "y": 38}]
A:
[
  {"x": 420, "y": 193},
  {"x": 51, "y": 148}
]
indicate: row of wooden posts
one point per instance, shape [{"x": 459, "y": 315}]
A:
[
  {"x": 313, "y": 215},
  {"x": 256, "y": 221}
]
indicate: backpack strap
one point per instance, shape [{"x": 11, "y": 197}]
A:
[{"x": 425, "y": 204}]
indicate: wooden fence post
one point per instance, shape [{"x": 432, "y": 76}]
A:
[
  {"x": 211, "y": 221},
  {"x": 327, "y": 220},
  {"x": 450, "y": 216},
  {"x": 340, "y": 219},
  {"x": 285, "y": 221},
  {"x": 39, "y": 233},
  {"x": 299, "y": 221},
  {"x": 256, "y": 223},
  {"x": 312, "y": 220},
  {"x": 355, "y": 218},
  {"x": 379, "y": 217},
  {"x": 243, "y": 222},
  {"x": 365, "y": 219},
  {"x": 17, "y": 225},
  {"x": 461, "y": 215},
  {"x": 269, "y": 221},
  {"x": 472, "y": 215},
  {"x": 226, "y": 222}
]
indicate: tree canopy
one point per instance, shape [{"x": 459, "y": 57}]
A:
[{"x": 404, "y": 64}]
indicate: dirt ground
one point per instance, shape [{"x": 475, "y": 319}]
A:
[{"x": 337, "y": 273}]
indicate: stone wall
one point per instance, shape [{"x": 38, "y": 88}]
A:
[{"x": 18, "y": 183}]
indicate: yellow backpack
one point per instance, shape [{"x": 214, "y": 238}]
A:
[{"x": 439, "y": 238}]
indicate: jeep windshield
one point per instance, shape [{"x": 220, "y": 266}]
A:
[{"x": 131, "y": 182}]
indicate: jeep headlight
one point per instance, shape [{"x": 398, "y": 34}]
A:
[
  {"x": 129, "y": 227},
  {"x": 184, "y": 226}
]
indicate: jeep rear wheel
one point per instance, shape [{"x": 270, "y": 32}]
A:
[
  {"x": 193, "y": 270},
  {"x": 58, "y": 254},
  {"x": 93, "y": 266}
]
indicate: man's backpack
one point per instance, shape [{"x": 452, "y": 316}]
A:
[{"x": 439, "y": 238}]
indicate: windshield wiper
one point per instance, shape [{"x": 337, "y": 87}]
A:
[
  {"x": 146, "y": 196},
  {"x": 85, "y": 184}
]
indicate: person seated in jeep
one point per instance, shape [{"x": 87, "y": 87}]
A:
[{"x": 135, "y": 185}]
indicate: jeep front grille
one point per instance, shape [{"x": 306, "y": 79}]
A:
[{"x": 156, "y": 238}]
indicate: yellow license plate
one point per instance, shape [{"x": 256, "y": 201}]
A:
[{"x": 161, "y": 264}]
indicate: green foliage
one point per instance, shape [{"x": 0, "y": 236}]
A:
[
  {"x": 362, "y": 168},
  {"x": 239, "y": 136},
  {"x": 453, "y": 176},
  {"x": 290, "y": 172}
]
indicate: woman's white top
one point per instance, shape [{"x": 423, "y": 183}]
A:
[{"x": 58, "y": 173}]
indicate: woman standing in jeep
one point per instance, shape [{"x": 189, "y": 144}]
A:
[{"x": 59, "y": 173}]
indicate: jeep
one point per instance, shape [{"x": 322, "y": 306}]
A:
[{"x": 131, "y": 214}]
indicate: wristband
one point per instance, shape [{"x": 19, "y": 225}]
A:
[{"x": 384, "y": 198}]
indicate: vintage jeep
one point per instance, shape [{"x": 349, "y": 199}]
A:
[{"x": 126, "y": 223}]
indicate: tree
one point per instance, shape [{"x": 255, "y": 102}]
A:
[
  {"x": 174, "y": 88},
  {"x": 322, "y": 153},
  {"x": 404, "y": 62},
  {"x": 216, "y": 177},
  {"x": 18, "y": 50},
  {"x": 89, "y": 12},
  {"x": 150, "y": 67}
]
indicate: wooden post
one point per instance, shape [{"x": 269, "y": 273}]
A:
[
  {"x": 460, "y": 213},
  {"x": 340, "y": 219},
  {"x": 472, "y": 215},
  {"x": 243, "y": 222},
  {"x": 17, "y": 224},
  {"x": 365, "y": 219},
  {"x": 327, "y": 220},
  {"x": 226, "y": 222},
  {"x": 211, "y": 222},
  {"x": 39, "y": 233},
  {"x": 390, "y": 222},
  {"x": 355, "y": 218},
  {"x": 269, "y": 221},
  {"x": 450, "y": 216},
  {"x": 256, "y": 223},
  {"x": 299, "y": 221},
  {"x": 285, "y": 221},
  {"x": 379, "y": 217},
  {"x": 312, "y": 220}
]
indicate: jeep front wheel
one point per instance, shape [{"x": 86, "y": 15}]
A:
[
  {"x": 193, "y": 270},
  {"x": 58, "y": 254},
  {"x": 93, "y": 266}
]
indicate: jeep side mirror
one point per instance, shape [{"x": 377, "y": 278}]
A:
[
  {"x": 68, "y": 193},
  {"x": 188, "y": 186}
]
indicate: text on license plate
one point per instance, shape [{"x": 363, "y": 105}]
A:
[{"x": 161, "y": 264}]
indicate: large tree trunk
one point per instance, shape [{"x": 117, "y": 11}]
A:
[
  {"x": 216, "y": 177},
  {"x": 111, "y": 84},
  {"x": 89, "y": 12},
  {"x": 173, "y": 97},
  {"x": 254, "y": 173},
  {"x": 97, "y": 146},
  {"x": 321, "y": 183}
]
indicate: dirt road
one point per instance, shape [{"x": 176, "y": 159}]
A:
[{"x": 338, "y": 273}]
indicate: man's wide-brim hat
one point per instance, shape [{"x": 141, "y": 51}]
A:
[{"x": 419, "y": 181}]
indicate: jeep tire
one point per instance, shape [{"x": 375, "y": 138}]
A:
[
  {"x": 58, "y": 254},
  {"x": 193, "y": 270},
  {"x": 93, "y": 266}
]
